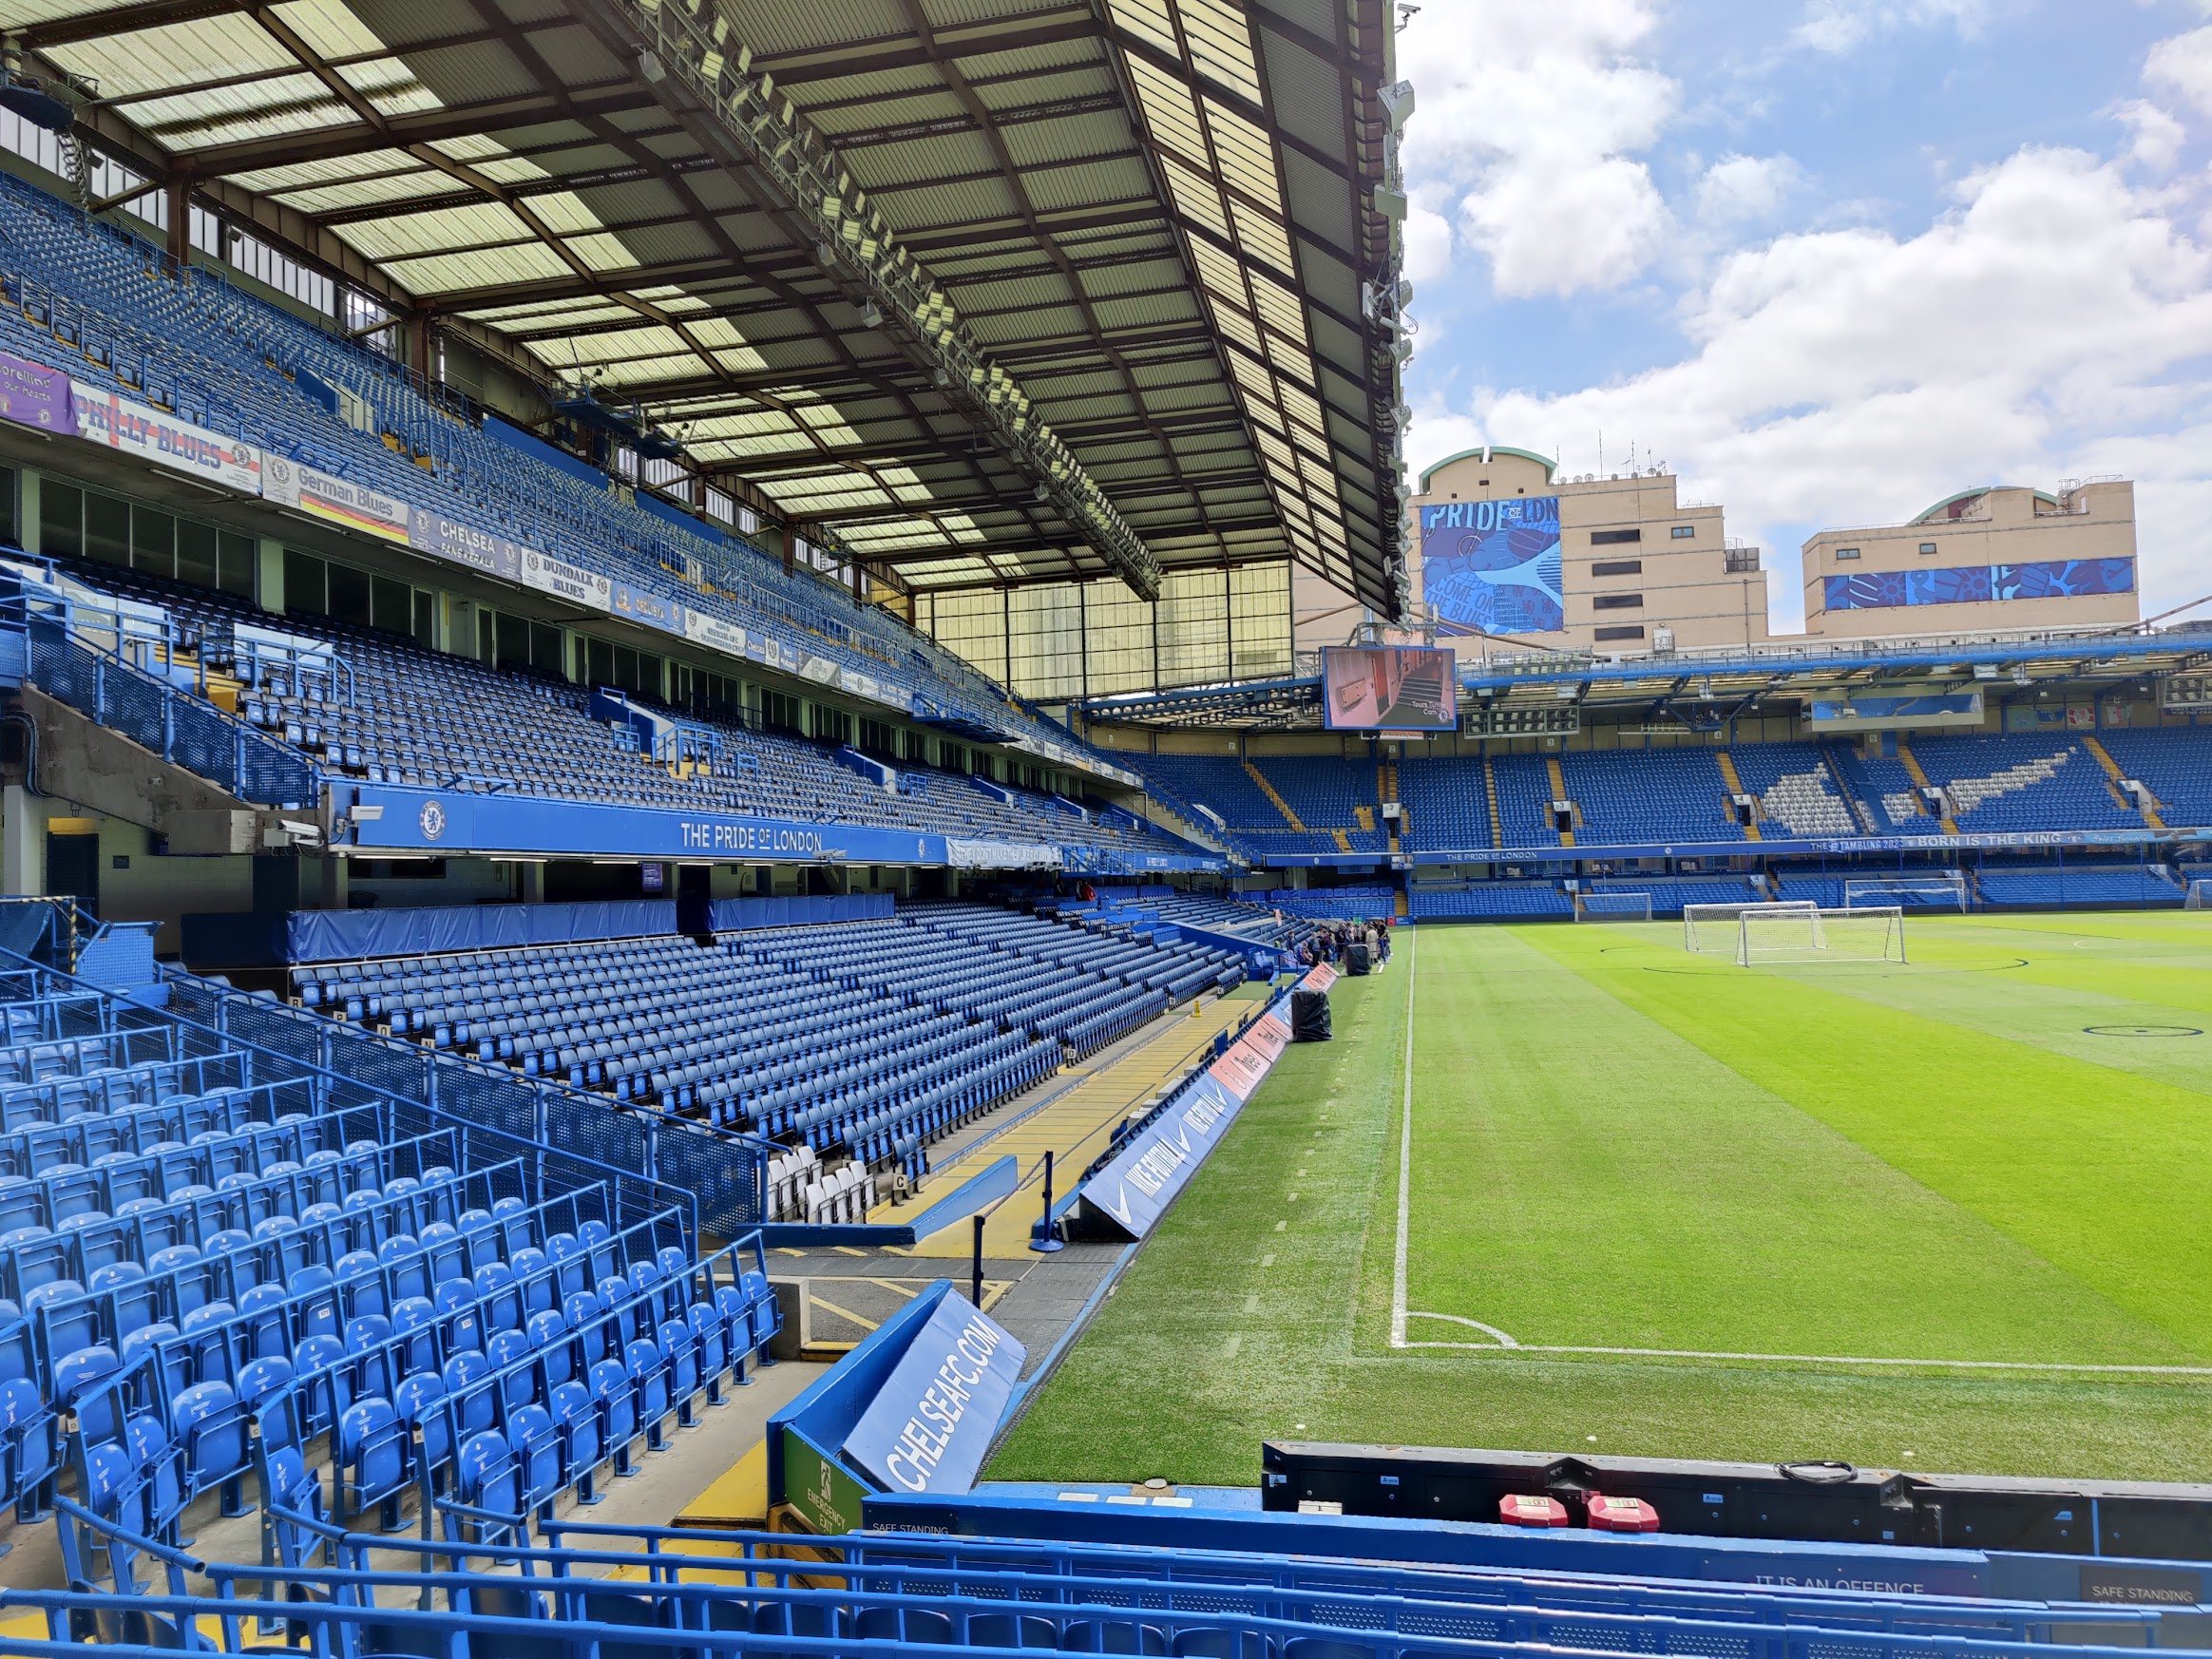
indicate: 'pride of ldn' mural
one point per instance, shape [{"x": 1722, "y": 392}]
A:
[{"x": 1494, "y": 566}]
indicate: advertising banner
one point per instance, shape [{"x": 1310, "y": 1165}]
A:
[
  {"x": 459, "y": 543},
  {"x": 147, "y": 433},
  {"x": 1252, "y": 1057},
  {"x": 336, "y": 500},
  {"x": 1495, "y": 566},
  {"x": 1978, "y": 584},
  {"x": 460, "y": 821},
  {"x": 573, "y": 583},
  {"x": 1399, "y": 688},
  {"x": 931, "y": 1422},
  {"x": 33, "y": 395}
]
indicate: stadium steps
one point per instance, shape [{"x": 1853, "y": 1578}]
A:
[
  {"x": 1400, "y": 905},
  {"x": 1850, "y": 783},
  {"x": 2144, "y": 803},
  {"x": 1497, "y": 818},
  {"x": 1558, "y": 779},
  {"x": 1343, "y": 841},
  {"x": 1911, "y": 762},
  {"x": 1365, "y": 815},
  {"x": 1736, "y": 788},
  {"x": 1268, "y": 789}
]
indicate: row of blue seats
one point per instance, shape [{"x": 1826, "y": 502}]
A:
[{"x": 581, "y": 1597}]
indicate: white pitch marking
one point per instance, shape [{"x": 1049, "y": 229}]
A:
[
  {"x": 1505, "y": 1342},
  {"x": 1404, "y": 1161}
]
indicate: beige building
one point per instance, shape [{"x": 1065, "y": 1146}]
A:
[
  {"x": 1984, "y": 560},
  {"x": 1508, "y": 550}
]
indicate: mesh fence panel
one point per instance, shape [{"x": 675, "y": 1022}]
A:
[{"x": 724, "y": 1179}]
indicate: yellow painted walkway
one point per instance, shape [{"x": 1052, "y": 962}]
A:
[{"x": 1077, "y": 1127}]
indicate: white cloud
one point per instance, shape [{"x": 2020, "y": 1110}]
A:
[
  {"x": 1839, "y": 26},
  {"x": 2184, "y": 65},
  {"x": 1531, "y": 119},
  {"x": 1853, "y": 376},
  {"x": 1746, "y": 189},
  {"x": 2155, "y": 137},
  {"x": 1428, "y": 243}
]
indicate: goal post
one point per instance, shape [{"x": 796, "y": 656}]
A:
[
  {"x": 1866, "y": 934},
  {"x": 2199, "y": 895},
  {"x": 1926, "y": 892},
  {"x": 1613, "y": 908},
  {"x": 1714, "y": 927}
]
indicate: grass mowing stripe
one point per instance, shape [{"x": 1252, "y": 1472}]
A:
[
  {"x": 1585, "y": 1175},
  {"x": 2105, "y": 1174}
]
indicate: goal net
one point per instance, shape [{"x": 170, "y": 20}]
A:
[
  {"x": 1861, "y": 935},
  {"x": 1614, "y": 907},
  {"x": 2199, "y": 895},
  {"x": 1713, "y": 926},
  {"x": 1929, "y": 892}
]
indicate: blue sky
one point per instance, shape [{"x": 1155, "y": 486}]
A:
[{"x": 1830, "y": 260}]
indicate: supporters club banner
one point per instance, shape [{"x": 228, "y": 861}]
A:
[
  {"x": 336, "y": 500},
  {"x": 459, "y": 543},
  {"x": 562, "y": 579},
  {"x": 133, "y": 429},
  {"x": 34, "y": 395}
]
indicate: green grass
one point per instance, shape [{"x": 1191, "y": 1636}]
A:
[{"x": 1619, "y": 1146}]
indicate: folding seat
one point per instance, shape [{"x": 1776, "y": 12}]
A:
[
  {"x": 470, "y": 1386},
  {"x": 374, "y": 1357},
  {"x": 615, "y": 1395},
  {"x": 423, "y": 1406},
  {"x": 373, "y": 1456}
]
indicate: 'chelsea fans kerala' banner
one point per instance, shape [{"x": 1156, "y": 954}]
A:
[{"x": 149, "y": 434}]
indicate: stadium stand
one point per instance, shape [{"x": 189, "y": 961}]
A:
[
  {"x": 379, "y": 708},
  {"x": 863, "y": 1039},
  {"x": 2174, "y": 763},
  {"x": 1999, "y": 783},
  {"x": 1447, "y": 803},
  {"x": 1795, "y": 790},
  {"x": 1648, "y": 794},
  {"x": 225, "y": 1265},
  {"x": 1490, "y": 898},
  {"x": 231, "y": 362}
]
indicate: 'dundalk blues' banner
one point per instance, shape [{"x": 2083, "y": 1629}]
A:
[{"x": 1132, "y": 1192}]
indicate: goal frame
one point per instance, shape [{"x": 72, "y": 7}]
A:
[
  {"x": 1952, "y": 887},
  {"x": 1732, "y": 914},
  {"x": 1831, "y": 935},
  {"x": 2199, "y": 895},
  {"x": 1584, "y": 912}
]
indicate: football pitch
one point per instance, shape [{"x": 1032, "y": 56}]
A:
[{"x": 1568, "y": 1187}]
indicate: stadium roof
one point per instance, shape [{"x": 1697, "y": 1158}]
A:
[
  {"x": 1696, "y": 690},
  {"x": 995, "y": 290}
]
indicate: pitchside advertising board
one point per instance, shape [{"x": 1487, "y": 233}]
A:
[
  {"x": 1393, "y": 688},
  {"x": 1135, "y": 1190},
  {"x": 929, "y": 1425}
]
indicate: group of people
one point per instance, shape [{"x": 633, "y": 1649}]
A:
[{"x": 1330, "y": 943}]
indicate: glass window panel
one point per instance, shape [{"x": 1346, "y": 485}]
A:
[
  {"x": 239, "y": 564},
  {"x": 106, "y": 528},
  {"x": 196, "y": 560},
  {"x": 391, "y": 605},
  {"x": 153, "y": 542},
  {"x": 61, "y": 519},
  {"x": 349, "y": 595},
  {"x": 303, "y": 583}
]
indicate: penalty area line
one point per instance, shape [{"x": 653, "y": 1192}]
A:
[
  {"x": 1398, "y": 1312},
  {"x": 1505, "y": 1343}
]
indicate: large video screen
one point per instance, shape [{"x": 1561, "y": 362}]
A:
[
  {"x": 1389, "y": 688},
  {"x": 1494, "y": 566}
]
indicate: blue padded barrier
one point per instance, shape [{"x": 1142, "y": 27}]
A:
[
  {"x": 733, "y": 914},
  {"x": 336, "y": 935}
]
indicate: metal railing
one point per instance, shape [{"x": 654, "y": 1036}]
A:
[{"x": 183, "y": 730}]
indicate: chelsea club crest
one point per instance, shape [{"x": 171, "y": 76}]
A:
[{"x": 432, "y": 820}]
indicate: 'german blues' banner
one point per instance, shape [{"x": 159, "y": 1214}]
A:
[
  {"x": 147, "y": 433},
  {"x": 929, "y": 1425},
  {"x": 336, "y": 500},
  {"x": 34, "y": 395}
]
